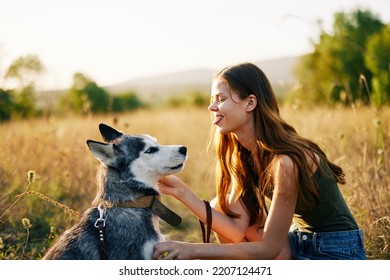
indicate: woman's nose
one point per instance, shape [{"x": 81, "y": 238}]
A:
[{"x": 213, "y": 107}]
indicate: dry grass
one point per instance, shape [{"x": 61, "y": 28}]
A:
[{"x": 356, "y": 139}]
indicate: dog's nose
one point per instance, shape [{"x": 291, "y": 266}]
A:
[{"x": 183, "y": 150}]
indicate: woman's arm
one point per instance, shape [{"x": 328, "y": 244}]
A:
[
  {"x": 275, "y": 230},
  {"x": 231, "y": 229}
]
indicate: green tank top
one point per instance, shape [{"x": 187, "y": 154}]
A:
[{"x": 332, "y": 212}]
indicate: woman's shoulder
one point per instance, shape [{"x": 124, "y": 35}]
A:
[
  {"x": 283, "y": 165},
  {"x": 286, "y": 163},
  {"x": 284, "y": 175},
  {"x": 283, "y": 160}
]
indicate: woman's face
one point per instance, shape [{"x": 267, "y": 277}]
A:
[{"x": 230, "y": 113}]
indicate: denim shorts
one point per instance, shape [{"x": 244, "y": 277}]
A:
[{"x": 338, "y": 245}]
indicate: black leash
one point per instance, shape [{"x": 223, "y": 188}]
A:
[
  {"x": 209, "y": 220},
  {"x": 102, "y": 243},
  {"x": 100, "y": 224}
]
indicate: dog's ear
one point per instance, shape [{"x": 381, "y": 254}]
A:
[
  {"x": 108, "y": 133},
  {"x": 102, "y": 151}
]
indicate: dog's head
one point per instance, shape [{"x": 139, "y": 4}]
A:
[{"x": 137, "y": 157}]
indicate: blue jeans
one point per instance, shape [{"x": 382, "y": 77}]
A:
[{"x": 338, "y": 245}]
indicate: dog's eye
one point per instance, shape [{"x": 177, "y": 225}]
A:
[{"x": 151, "y": 150}]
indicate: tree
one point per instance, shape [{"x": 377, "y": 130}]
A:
[
  {"x": 125, "y": 102},
  {"x": 6, "y": 105},
  {"x": 377, "y": 59},
  {"x": 332, "y": 72},
  {"x": 86, "y": 96},
  {"x": 24, "y": 70}
]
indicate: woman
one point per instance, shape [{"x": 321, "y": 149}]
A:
[{"x": 261, "y": 158}]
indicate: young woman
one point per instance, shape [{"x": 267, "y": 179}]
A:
[{"x": 260, "y": 159}]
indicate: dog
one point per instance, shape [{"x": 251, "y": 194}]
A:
[{"x": 123, "y": 220}]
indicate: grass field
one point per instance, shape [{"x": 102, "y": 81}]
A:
[{"x": 55, "y": 149}]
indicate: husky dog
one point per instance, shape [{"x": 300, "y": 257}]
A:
[{"x": 123, "y": 221}]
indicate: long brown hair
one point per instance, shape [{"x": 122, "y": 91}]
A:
[{"x": 252, "y": 170}]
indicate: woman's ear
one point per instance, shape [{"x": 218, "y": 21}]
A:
[{"x": 251, "y": 103}]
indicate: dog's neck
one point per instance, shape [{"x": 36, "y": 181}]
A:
[
  {"x": 116, "y": 192},
  {"x": 150, "y": 182}
]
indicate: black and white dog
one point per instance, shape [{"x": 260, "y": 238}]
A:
[{"x": 123, "y": 221}]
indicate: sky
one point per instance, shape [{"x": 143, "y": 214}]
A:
[{"x": 119, "y": 40}]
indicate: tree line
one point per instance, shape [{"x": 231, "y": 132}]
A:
[
  {"x": 85, "y": 95},
  {"x": 349, "y": 64}
]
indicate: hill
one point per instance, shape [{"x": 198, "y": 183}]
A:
[{"x": 279, "y": 71}]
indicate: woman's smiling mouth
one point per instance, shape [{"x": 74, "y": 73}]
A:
[{"x": 218, "y": 119}]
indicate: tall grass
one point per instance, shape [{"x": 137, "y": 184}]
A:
[{"x": 355, "y": 138}]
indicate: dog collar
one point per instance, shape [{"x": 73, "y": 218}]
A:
[{"x": 158, "y": 208}]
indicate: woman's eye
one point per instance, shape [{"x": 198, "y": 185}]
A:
[
  {"x": 151, "y": 150},
  {"x": 216, "y": 99}
]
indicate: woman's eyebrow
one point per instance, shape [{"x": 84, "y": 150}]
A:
[{"x": 217, "y": 94}]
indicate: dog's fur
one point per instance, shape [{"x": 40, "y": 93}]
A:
[{"x": 131, "y": 165}]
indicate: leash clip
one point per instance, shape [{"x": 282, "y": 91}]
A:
[{"x": 102, "y": 212}]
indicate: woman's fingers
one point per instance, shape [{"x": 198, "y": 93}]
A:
[{"x": 172, "y": 250}]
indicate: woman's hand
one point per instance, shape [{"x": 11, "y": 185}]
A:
[
  {"x": 171, "y": 185},
  {"x": 173, "y": 250}
]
